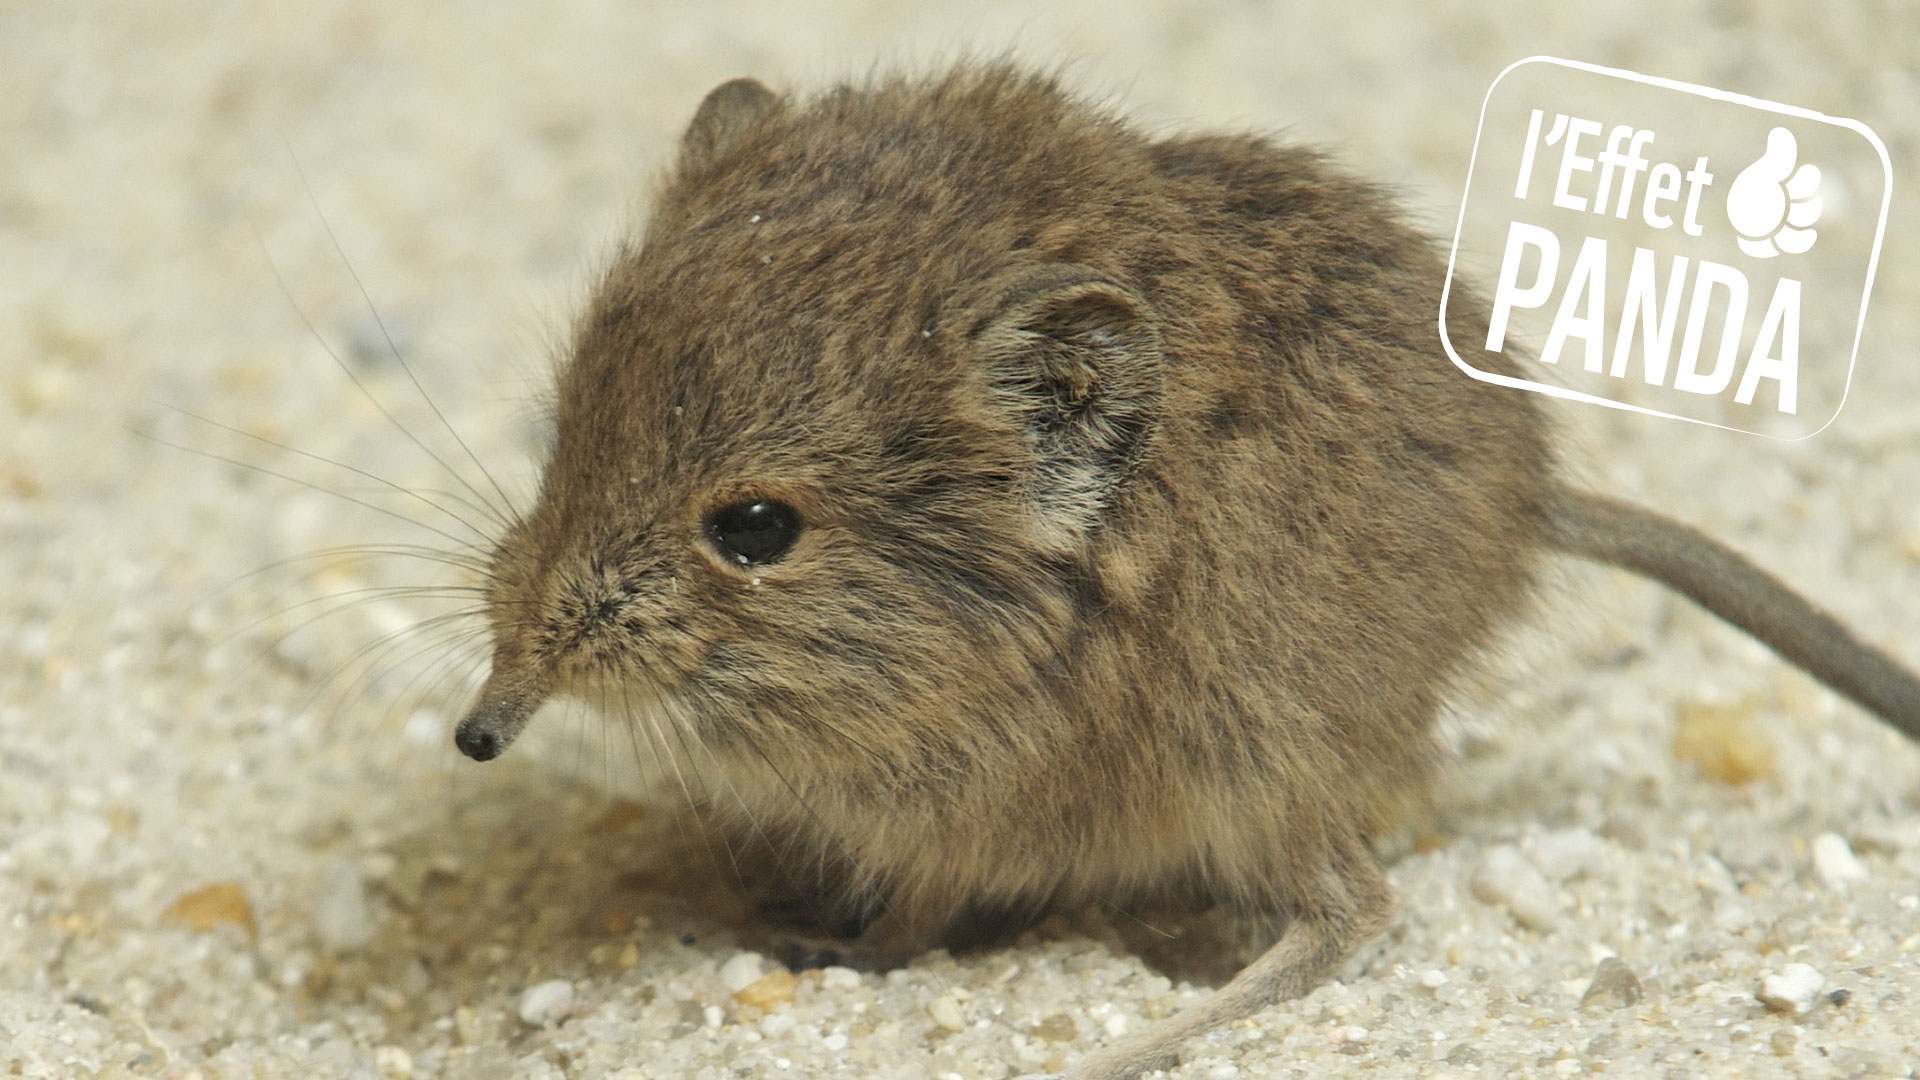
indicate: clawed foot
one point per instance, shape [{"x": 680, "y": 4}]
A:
[{"x": 807, "y": 932}]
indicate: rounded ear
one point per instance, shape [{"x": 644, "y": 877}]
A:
[
  {"x": 726, "y": 113},
  {"x": 1074, "y": 360}
]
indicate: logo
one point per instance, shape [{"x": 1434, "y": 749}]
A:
[{"x": 1667, "y": 248}]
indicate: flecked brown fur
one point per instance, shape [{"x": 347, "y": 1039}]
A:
[{"x": 1146, "y": 525}]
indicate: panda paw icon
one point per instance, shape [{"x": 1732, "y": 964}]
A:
[{"x": 1772, "y": 204}]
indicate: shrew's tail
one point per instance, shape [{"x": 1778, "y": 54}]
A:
[{"x": 1724, "y": 582}]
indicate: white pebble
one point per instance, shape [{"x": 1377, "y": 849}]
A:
[
  {"x": 1566, "y": 853},
  {"x": 546, "y": 1003},
  {"x": 1506, "y": 878},
  {"x": 840, "y": 978},
  {"x": 1116, "y": 1025},
  {"x": 344, "y": 918},
  {"x": 469, "y": 1027},
  {"x": 1433, "y": 978},
  {"x": 393, "y": 1063},
  {"x": 1793, "y": 989},
  {"x": 945, "y": 1011},
  {"x": 1228, "y": 1071},
  {"x": 1835, "y": 863},
  {"x": 835, "y": 1042},
  {"x": 740, "y": 971},
  {"x": 777, "y": 1023}
]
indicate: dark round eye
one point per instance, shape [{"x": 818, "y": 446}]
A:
[{"x": 751, "y": 533}]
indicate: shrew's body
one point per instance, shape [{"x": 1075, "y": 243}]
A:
[{"x": 1003, "y": 510}]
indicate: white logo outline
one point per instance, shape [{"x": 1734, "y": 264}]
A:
[{"x": 1873, "y": 260}]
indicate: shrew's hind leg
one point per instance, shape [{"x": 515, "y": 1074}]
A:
[{"x": 1346, "y": 903}]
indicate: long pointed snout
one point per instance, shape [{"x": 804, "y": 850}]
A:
[{"x": 496, "y": 719}]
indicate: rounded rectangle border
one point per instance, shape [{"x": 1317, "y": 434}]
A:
[{"x": 1873, "y": 260}]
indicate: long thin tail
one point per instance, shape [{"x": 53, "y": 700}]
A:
[{"x": 1721, "y": 580}]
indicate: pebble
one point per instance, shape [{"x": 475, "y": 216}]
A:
[
  {"x": 223, "y": 902},
  {"x": 1614, "y": 985},
  {"x": 1057, "y": 1028},
  {"x": 1566, "y": 853},
  {"x": 1793, "y": 989},
  {"x": 1433, "y": 979},
  {"x": 471, "y": 1029},
  {"x": 776, "y": 987},
  {"x": 945, "y": 1011},
  {"x": 393, "y": 1063},
  {"x": 840, "y": 978},
  {"x": 1835, "y": 863},
  {"x": 1723, "y": 743},
  {"x": 741, "y": 970},
  {"x": 546, "y": 1003},
  {"x": 1506, "y": 878},
  {"x": 344, "y": 919}
]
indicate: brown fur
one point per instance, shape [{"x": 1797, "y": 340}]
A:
[{"x": 1146, "y": 523}]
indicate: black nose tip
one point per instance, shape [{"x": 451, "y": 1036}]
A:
[
  {"x": 490, "y": 728},
  {"x": 477, "y": 743}
]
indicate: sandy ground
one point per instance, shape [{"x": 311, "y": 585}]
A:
[{"x": 236, "y": 843}]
